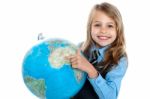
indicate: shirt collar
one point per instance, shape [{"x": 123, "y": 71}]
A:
[{"x": 101, "y": 49}]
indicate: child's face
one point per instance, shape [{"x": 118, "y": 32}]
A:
[{"x": 103, "y": 29}]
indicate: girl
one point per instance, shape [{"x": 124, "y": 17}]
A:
[{"x": 104, "y": 49}]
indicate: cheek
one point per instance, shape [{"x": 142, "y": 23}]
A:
[
  {"x": 114, "y": 37},
  {"x": 93, "y": 34},
  {"x": 94, "y": 30}
]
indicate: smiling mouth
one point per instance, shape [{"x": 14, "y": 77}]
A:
[{"x": 103, "y": 37}]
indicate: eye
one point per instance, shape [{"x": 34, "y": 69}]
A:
[
  {"x": 97, "y": 25},
  {"x": 110, "y": 26}
]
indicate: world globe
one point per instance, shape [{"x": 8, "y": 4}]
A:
[{"x": 48, "y": 74}]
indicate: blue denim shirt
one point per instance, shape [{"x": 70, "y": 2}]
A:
[{"x": 108, "y": 87}]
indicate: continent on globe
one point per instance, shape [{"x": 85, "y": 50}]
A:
[
  {"x": 46, "y": 72},
  {"x": 57, "y": 58},
  {"x": 36, "y": 85}
]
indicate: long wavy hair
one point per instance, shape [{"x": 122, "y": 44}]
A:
[{"x": 117, "y": 48}]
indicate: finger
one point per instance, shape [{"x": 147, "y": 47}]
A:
[
  {"x": 74, "y": 65},
  {"x": 66, "y": 58},
  {"x": 69, "y": 57},
  {"x": 73, "y": 60},
  {"x": 72, "y": 56}
]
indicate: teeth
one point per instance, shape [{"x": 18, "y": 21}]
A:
[{"x": 103, "y": 37}]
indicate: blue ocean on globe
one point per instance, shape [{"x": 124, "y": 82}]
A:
[{"x": 46, "y": 72}]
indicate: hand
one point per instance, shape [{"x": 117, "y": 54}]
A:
[{"x": 80, "y": 62}]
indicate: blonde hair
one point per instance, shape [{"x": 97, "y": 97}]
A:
[{"x": 117, "y": 48}]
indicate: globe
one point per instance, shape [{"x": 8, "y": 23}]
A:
[{"x": 48, "y": 74}]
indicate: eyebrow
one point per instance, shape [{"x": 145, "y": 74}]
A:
[{"x": 102, "y": 22}]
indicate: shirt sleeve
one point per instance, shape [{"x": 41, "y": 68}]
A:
[{"x": 109, "y": 87}]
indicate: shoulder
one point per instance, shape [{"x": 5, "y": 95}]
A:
[
  {"x": 123, "y": 61},
  {"x": 122, "y": 64}
]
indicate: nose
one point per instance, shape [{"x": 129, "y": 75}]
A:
[{"x": 103, "y": 30}]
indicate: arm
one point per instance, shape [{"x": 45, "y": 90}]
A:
[{"x": 108, "y": 88}]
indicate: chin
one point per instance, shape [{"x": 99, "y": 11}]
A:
[{"x": 103, "y": 45}]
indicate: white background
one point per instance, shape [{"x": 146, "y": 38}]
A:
[{"x": 22, "y": 20}]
